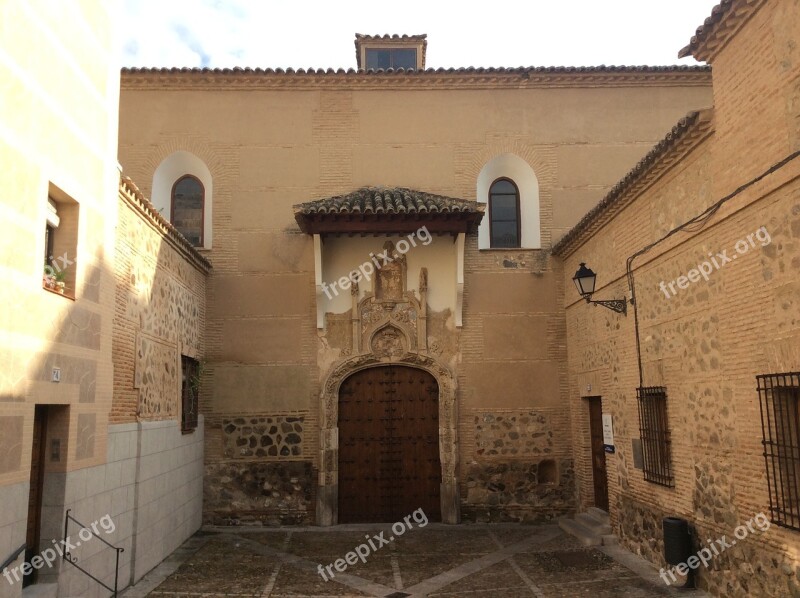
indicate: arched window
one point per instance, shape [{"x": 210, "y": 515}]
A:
[
  {"x": 188, "y": 202},
  {"x": 504, "y": 230}
]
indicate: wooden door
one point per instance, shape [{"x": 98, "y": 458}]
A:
[
  {"x": 598, "y": 454},
  {"x": 388, "y": 445},
  {"x": 38, "y": 452}
]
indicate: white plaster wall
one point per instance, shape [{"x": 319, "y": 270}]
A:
[
  {"x": 13, "y": 524},
  {"x": 169, "y": 492},
  {"x": 151, "y": 486},
  {"x": 519, "y": 171},
  {"x": 168, "y": 172},
  {"x": 341, "y": 255}
]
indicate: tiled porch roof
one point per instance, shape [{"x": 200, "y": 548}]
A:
[{"x": 388, "y": 209}]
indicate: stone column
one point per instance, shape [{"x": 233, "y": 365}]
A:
[
  {"x": 328, "y": 481},
  {"x": 450, "y": 496}
]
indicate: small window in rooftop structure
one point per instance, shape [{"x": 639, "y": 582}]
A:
[{"x": 391, "y": 58}]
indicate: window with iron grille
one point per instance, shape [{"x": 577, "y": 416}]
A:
[
  {"x": 654, "y": 432},
  {"x": 190, "y": 386},
  {"x": 779, "y": 396}
]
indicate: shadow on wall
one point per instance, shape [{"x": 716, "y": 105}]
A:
[{"x": 137, "y": 479}]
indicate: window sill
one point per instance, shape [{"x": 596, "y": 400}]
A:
[
  {"x": 507, "y": 249},
  {"x": 59, "y": 293}
]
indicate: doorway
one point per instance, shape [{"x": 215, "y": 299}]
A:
[
  {"x": 598, "y": 453},
  {"x": 38, "y": 453},
  {"x": 389, "y": 462}
]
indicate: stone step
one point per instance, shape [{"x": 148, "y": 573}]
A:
[
  {"x": 610, "y": 540},
  {"x": 599, "y": 514},
  {"x": 584, "y": 535},
  {"x": 593, "y": 524},
  {"x": 41, "y": 590}
]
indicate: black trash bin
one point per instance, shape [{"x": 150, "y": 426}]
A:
[
  {"x": 678, "y": 546},
  {"x": 677, "y": 540}
]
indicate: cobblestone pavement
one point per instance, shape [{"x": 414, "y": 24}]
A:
[{"x": 470, "y": 561}]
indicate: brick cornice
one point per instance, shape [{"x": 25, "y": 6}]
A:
[
  {"x": 726, "y": 19},
  {"x": 135, "y": 199},
  {"x": 463, "y": 78},
  {"x": 690, "y": 132}
]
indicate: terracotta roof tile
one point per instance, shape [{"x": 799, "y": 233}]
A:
[
  {"x": 131, "y": 193},
  {"x": 385, "y": 205},
  {"x": 419, "y": 73},
  {"x": 384, "y": 200},
  {"x": 394, "y": 36},
  {"x": 717, "y": 13},
  {"x": 725, "y": 18}
]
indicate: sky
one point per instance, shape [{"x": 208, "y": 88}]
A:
[{"x": 320, "y": 34}]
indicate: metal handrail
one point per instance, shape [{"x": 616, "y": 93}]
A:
[
  {"x": 73, "y": 560},
  {"x": 13, "y": 557}
]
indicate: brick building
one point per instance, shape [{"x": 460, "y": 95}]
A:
[
  {"x": 307, "y": 176},
  {"x": 708, "y": 224},
  {"x": 389, "y": 322}
]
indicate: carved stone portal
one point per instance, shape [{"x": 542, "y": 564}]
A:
[
  {"x": 389, "y": 326},
  {"x": 388, "y": 342}
]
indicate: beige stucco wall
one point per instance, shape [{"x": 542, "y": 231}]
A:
[
  {"x": 271, "y": 141},
  {"x": 59, "y": 103},
  {"x": 62, "y": 93},
  {"x": 437, "y": 253}
]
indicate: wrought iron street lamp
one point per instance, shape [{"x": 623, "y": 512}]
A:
[{"x": 585, "y": 281}]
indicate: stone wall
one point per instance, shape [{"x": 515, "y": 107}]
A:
[
  {"x": 263, "y": 436},
  {"x": 519, "y": 491},
  {"x": 743, "y": 570},
  {"x": 257, "y": 493},
  {"x": 513, "y": 434},
  {"x": 160, "y": 310}
]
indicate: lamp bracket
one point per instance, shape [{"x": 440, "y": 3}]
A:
[{"x": 617, "y": 305}]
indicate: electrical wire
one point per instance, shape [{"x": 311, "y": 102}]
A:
[{"x": 693, "y": 225}]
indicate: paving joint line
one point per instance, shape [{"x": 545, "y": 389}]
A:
[
  {"x": 536, "y": 590},
  {"x": 395, "y": 562},
  {"x": 347, "y": 579},
  {"x": 273, "y": 578},
  {"x": 156, "y": 576},
  {"x": 436, "y": 582}
]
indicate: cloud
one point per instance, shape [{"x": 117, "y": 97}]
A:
[
  {"x": 317, "y": 33},
  {"x": 190, "y": 41},
  {"x": 183, "y": 32}
]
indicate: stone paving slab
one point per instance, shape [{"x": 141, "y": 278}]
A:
[{"x": 470, "y": 561}]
